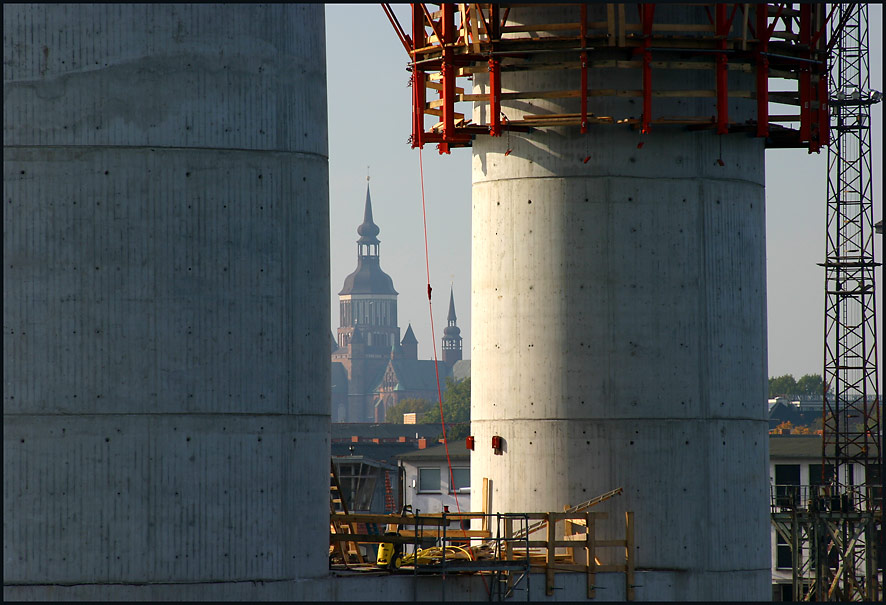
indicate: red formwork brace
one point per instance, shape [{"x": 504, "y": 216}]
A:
[
  {"x": 647, "y": 11},
  {"x": 418, "y": 77},
  {"x": 722, "y": 27},
  {"x": 494, "y": 97},
  {"x": 443, "y": 52},
  {"x": 448, "y": 93},
  {"x": 584, "y": 68}
]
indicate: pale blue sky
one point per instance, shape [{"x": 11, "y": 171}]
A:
[{"x": 369, "y": 122}]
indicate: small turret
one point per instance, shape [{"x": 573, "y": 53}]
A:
[
  {"x": 409, "y": 344},
  {"x": 452, "y": 349}
]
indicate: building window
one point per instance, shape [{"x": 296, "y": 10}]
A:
[
  {"x": 461, "y": 480},
  {"x": 783, "y": 558},
  {"x": 787, "y": 485},
  {"x": 429, "y": 480},
  {"x": 815, "y": 474}
]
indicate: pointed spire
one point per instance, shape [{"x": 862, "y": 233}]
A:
[
  {"x": 451, "y": 335},
  {"x": 409, "y": 344},
  {"x": 451, "y": 318},
  {"x": 368, "y": 231},
  {"x": 409, "y": 338}
]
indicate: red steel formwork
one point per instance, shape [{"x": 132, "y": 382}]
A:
[{"x": 449, "y": 43}]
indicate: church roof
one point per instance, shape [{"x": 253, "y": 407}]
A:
[
  {"x": 451, "y": 316},
  {"x": 368, "y": 279},
  {"x": 451, "y": 331},
  {"x": 409, "y": 338},
  {"x": 368, "y": 230},
  {"x": 415, "y": 374},
  {"x": 339, "y": 378}
]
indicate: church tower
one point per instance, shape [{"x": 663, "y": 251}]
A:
[
  {"x": 451, "y": 336},
  {"x": 368, "y": 323}
]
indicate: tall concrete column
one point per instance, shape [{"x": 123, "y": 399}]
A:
[
  {"x": 166, "y": 272},
  {"x": 619, "y": 324}
]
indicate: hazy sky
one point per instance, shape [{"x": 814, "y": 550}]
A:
[{"x": 369, "y": 122}]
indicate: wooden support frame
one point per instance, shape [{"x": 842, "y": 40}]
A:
[{"x": 452, "y": 41}]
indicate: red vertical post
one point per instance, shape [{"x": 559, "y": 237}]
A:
[
  {"x": 495, "y": 97},
  {"x": 448, "y": 31},
  {"x": 722, "y": 29},
  {"x": 418, "y": 77},
  {"x": 824, "y": 121},
  {"x": 647, "y": 11},
  {"x": 762, "y": 31},
  {"x": 805, "y": 81},
  {"x": 584, "y": 68}
]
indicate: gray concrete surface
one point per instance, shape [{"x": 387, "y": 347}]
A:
[
  {"x": 166, "y": 278},
  {"x": 369, "y": 587},
  {"x": 619, "y": 324}
]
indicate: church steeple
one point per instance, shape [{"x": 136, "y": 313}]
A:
[
  {"x": 409, "y": 344},
  {"x": 367, "y": 245},
  {"x": 452, "y": 349}
]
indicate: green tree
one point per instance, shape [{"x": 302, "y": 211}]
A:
[
  {"x": 394, "y": 414},
  {"x": 456, "y": 410},
  {"x": 782, "y": 385},
  {"x": 810, "y": 384}
]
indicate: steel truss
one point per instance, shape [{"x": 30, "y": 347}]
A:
[
  {"x": 843, "y": 522},
  {"x": 832, "y": 538}
]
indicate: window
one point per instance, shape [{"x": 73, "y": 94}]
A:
[
  {"x": 783, "y": 558},
  {"x": 787, "y": 484},
  {"x": 815, "y": 474},
  {"x": 429, "y": 479},
  {"x": 461, "y": 480}
]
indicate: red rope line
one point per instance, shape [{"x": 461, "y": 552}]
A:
[{"x": 424, "y": 218}]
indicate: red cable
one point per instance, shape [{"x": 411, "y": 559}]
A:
[{"x": 424, "y": 219}]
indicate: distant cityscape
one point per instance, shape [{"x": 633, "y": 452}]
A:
[{"x": 373, "y": 368}]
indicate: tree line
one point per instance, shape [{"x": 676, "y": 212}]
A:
[
  {"x": 456, "y": 409},
  {"x": 809, "y": 384}
]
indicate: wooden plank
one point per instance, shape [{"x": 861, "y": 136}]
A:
[
  {"x": 402, "y": 520},
  {"x": 451, "y": 534},
  {"x": 475, "y": 35},
  {"x": 541, "y": 27},
  {"x": 484, "y": 503},
  {"x": 610, "y": 23},
  {"x": 551, "y": 558},
  {"x": 371, "y": 539},
  {"x": 435, "y": 86},
  {"x": 554, "y": 567},
  {"x": 671, "y": 27},
  {"x": 609, "y": 64},
  {"x": 591, "y": 550}
]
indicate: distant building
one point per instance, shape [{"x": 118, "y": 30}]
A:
[
  {"x": 428, "y": 487},
  {"x": 372, "y": 367},
  {"x": 795, "y": 469},
  {"x": 451, "y": 335}
]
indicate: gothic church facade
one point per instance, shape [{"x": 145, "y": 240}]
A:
[{"x": 372, "y": 367}]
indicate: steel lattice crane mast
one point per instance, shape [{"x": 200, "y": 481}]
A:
[{"x": 852, "y": 430}]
